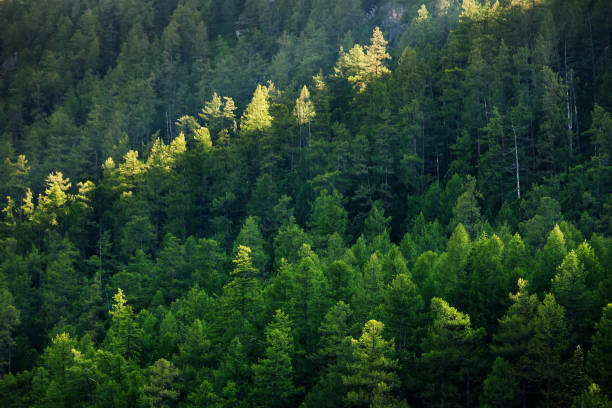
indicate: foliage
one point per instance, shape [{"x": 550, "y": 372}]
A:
[{"x": 251, "y": 203}]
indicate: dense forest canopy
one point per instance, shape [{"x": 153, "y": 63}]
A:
[{"x": 282, "y": 203}]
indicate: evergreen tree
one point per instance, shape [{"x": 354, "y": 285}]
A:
[
  {"x": 328, "y": 216},
  {"x": 553, "y": 131},
  {"x": 194, "y": 353},
  {"x": 304, "y": 111},
  {"x": 575, "y": 379},
  {"x": 454, "y": 348},
  {"x": 372, "y": 379},
  {"x": 500, "y": 387},
  {"x": 403, "y": 310},
  {"x": 376, "y": 54},
  {"x": 454, "y": 280},
  {"x": 159, "y": 390},
  {"x": 123, "y": 337},
  {"x": 546, "y": 347},
  {"x": 488, "y": 281},
  {"x": 569, "y": 287},
  {"x": 548, "y": 259},
  {"x": 591, "y": 397},
  {"x": 9, "y": 318},
  {"x": 250, "y": 236},
  {"x": 241, "y": 293},
  {"x": 514, "y": 335},
  {"x": 234, "y": 370},
  {"x": 600, "y": 355},
  {"x": 467, "y": 209},
  {"x": 363, "y": 64},
  {"x": 272, "y": 375},
  {"x": 257, "y": 117}
]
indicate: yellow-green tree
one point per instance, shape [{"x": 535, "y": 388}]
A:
[
  {"x": 363, "y": 64},
  {"x": 372, "y": 378},
  {"x": 304, "y": 110},
  {"x": 257, "y": 116}
]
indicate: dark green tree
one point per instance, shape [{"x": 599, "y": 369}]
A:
[{"x": 273, "y": 374}]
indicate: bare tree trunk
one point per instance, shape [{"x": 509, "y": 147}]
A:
[
  {"x": 438, "y": 168},
  {"x": 576, "y": 122},
  {"x": 567, "y": 101},
  {"x": 516, "y": 163},
  {"x": 309, "y": 134}
]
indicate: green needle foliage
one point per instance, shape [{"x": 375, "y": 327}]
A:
[{"x": 251, "y": 203}]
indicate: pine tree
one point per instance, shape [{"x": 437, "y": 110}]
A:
[
  {"x": 307, "y": 293},
  {"x": 194, "y": 352},
  {"x": 250, "y": 236},
  {"x": 569, "y": 288},
  {"x": 548, "y": 259},
  {"x": 600, "y": 355},
  {"x": 403, "y": 312},
  {"x": 376, "y": 54},
  {"x": 553, "y": 131},
  {"x": 372, "y": 377},
  {"x": 124, "y": 336},
  {"x": 467, "y": 209},
  {"x": 592, "y": 397},
  {"x": 304, "y": 111},
  {"x": 234, "y": 370},
  {"x": 257, "y": 117},
  {"x": 488, "y": 282},
  {"x": 342, "y": 280},
  {"x": 273, "y": 374},
  {"x": 493, "y": 180},
  {"x": 375, "y": 223},
  {"x": 241, "y": 293},
  {"x": 53, "y": 205},
  {"x": 546, "y": 347},
  {"x": 60, "y": 285},
  {"x": 574, "y": 379},
  {"x": 288, "y": 242},
  {"x": 204, "y": 396},
  {"x": 515, "y": 332},
  {"x": 328, "y": 216},
  {"x": 212, "y": 114},
  {"x": 333, "y": 355},
  {"x": 500, "y": 387},
  {"x": 160, "y": 391},
  {"x": 361, "y": 65},
  {"x": 334, "y": 330},
  {"x": 9, "y": 318},
  {"x": 171, "y": 268},
  {"x": 454, "y": 280},
  {"x": 452, "y": 357},
  {"x": 59, "y": 375}
]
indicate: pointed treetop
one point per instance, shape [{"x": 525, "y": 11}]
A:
[
  {"x": 376, "y": 54},
  {"x": 244, "y": 265},
  {"x": 257, "y": 116},
  {"x": 212, "y": 108},
  {"x": 423, "y": 14},
  {"x": 304, "y": 108},
  {"x": 362, "y": 64}
]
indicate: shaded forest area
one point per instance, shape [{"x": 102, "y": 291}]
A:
[{"x": 253, "y": 203}]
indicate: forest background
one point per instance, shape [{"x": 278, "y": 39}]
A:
[{"x": 245, "y": 203}]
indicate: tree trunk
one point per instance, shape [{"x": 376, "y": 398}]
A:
[{"x": 516, "y": 163}]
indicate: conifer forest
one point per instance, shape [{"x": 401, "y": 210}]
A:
[{"x": 306, "y": 203}]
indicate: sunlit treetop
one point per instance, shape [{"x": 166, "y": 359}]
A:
[
  {"x": 257, "y": 116},
  {"x": 362, "y": 64}
]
